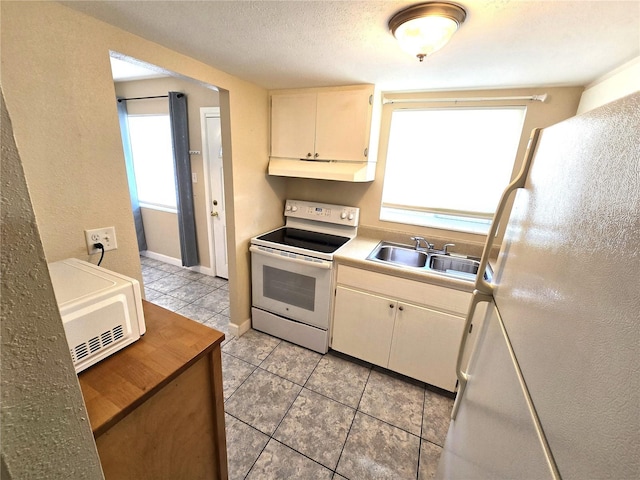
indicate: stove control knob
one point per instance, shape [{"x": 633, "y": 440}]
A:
[
  {"x": 351, "y": 216},
  {"x": 294, "y": 209},
  {"x": 288, "y": 208},
  {"x": 343, "y": 215}
]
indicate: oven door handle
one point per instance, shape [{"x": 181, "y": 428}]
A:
[{"x": 317, "y": 264}]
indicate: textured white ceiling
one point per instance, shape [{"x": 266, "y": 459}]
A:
[{"x": 288, "y": 44}]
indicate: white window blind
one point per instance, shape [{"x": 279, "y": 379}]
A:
[
  {"x": 447, "y": 167},
  {"x": 153, "y": 160}
]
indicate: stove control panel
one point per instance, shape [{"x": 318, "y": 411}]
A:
[{"x": 322, "y": 212}]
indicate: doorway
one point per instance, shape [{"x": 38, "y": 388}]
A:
[
  {"x": 212, "y": 156},
  {"x": 160, "y": 226}
]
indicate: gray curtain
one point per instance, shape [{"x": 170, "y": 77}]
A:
[
  {"x": 184, "y": 187},
  {"x": 131, "y": 175}
]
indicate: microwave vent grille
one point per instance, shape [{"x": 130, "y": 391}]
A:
[{"x": 95, "y": 344}]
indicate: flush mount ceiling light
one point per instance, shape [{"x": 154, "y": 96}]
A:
[{"x": 425, "y": 28}]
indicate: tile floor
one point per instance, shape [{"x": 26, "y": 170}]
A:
[{"x": 295, "y": 414}]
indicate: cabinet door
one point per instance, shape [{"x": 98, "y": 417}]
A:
[
  {"x": 293, "y": 125},
  {"x": 363, "y": 325},
  {"x": 425, "y": 345},
  {"x": 343, "y": 124}
]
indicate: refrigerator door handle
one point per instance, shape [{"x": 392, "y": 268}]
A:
[
  {"x": 481, "y": 284},
  {"x": 463, "y": 377}
]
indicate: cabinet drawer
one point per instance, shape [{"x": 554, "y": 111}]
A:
[{"x": 435, "y": 296}]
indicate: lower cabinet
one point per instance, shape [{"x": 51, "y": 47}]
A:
[
  {"x": 425, "y": 345},
  {"x": 363, "y": 325},
  {"x": 411, "y": 339}
]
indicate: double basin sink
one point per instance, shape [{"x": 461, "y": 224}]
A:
[{"x": 434, "y": 261}]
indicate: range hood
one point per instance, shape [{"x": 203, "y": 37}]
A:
[{"x": 324, "y": 170}]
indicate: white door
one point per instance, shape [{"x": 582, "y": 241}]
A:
[{"x": 212, "y": 146}]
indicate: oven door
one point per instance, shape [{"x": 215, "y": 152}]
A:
[{"x": 291, "y": 285}]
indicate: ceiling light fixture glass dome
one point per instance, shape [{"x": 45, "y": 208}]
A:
[{"x": 425, "y": 28}]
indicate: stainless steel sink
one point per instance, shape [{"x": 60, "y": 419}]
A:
[
  {"x": 401, "y": 256},
  {"x": 449, "y": 264},
  {"x": 428, "y": 260}
]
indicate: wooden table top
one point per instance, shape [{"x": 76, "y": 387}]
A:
[{"x": 118, "y": 384}]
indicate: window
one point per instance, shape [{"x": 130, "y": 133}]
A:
[
  {"x": 447, "y": 167},
  {"x": 153, "y": 160}
]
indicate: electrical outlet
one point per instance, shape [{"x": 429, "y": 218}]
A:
[{"x": 106, "y": 236}]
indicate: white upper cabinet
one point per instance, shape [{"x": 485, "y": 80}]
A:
[
  {"x": 331, "y": 126},
  {"x": 293, "y": 125},
  {"x": 343, "y": 122}
]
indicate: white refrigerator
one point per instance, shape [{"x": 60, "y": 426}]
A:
[{"x": 552, "y": 389}]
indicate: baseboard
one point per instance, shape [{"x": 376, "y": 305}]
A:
[
  {"x": 239, "y": 330},
  {"x": 177, "y": 262},
  {"x": 163, "y": 258}
]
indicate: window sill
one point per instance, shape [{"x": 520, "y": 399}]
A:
[
  {"x": 160, "y": 208},
  {"x": 435, "y": 220}
]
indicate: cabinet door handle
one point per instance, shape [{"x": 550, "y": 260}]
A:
[
  {"x": 309, "y": 155},
  {"x": 401, "y": 308},
  {"x": 316, "y": 155},
  {"x": 391, "y": 305}
]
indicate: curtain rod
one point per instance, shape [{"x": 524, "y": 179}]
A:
[
  {"x": 147, "y": 98},
  {"x": 531, "y": 98}
]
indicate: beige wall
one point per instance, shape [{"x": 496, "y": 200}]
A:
[
  {"x": 59, "y": 92},
  {"x": 161, "y": 232},
  {"x": 561, "y": 104},
  {"x": 197, "y": 96},
  {"x": 44, "y": 426}
]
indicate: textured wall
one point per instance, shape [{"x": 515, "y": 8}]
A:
[
  {"x": 56, "y": 76},
  {"x": 45, "y": 429}
]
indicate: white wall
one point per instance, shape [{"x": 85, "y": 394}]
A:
[{"x": 616, "y": 84}]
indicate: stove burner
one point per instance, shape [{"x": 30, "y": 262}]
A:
[{"x": 314, "y": 241}]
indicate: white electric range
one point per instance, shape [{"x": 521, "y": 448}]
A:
[{"x": 292, "y": 272}]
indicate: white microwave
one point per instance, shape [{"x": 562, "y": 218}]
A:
[{"x": 101, "y": 310}]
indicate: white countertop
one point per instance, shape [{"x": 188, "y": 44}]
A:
[{"x": 355, "y": 254}]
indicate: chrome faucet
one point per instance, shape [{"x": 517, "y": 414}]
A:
[
  {"x": 428, "y": 245},
  {"x": 446, "y": 246}
]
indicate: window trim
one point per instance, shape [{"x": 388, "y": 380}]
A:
[{"x": 436, "y": 218}]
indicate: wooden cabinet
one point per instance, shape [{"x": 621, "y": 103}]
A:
[
  {"x": 156, "y": 407},
  {"x": 322, "y": 124},
  {"x": 406, "y": 326}
]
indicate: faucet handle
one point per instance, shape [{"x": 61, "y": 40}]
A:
[
  {"x": 446, "y": 246},
  {"x": 422, "y": 239}
]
